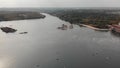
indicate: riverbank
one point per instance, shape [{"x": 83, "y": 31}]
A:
[
  {"x": 94, "y": 28},
  {"x": 97, "y": 18}
]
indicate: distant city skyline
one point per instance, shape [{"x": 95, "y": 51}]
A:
[{"x": 59, "y": 3}]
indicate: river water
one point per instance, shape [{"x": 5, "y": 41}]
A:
[{"x": 45, "y": 46}]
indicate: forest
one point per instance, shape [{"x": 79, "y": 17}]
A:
[{"x": 96, "y": 18}]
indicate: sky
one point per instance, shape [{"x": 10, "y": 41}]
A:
[{"x": 59, "y": 3}]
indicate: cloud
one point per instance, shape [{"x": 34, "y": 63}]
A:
[{"x": 60, "y": 3}]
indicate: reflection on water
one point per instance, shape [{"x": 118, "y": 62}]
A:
[{"x": 45, "y": 46}]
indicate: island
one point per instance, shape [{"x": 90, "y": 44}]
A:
[
  {"x": 19, "y": 15},
  {"x": 8, "y": 29}
]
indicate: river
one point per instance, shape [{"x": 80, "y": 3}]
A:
[{"x": 45, "y": 46}]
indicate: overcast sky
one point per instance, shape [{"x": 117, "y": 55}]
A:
[{"x": 59, "y": 3}]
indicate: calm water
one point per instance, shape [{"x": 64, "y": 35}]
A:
[{"x": 47, "y": 47}]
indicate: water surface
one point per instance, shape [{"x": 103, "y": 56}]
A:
[{"x": 45, "y": 46}]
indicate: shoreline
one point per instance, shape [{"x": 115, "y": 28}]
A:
[{"x": 94, "y": 28}]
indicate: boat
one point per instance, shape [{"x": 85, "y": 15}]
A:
[
  {"x": 63, "y": 27},
  {"x": 71, "y": 26},
  {"x": 115, "y": 28}
]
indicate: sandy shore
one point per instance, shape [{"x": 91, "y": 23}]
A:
[{"x": 94, "y": 28}]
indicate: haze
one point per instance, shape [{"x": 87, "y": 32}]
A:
[{"x": 59, "y": 3}]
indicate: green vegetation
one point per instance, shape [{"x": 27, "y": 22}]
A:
[
  {"x": 97, "y": 18},
  {"x": 19, "y": 15}
]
